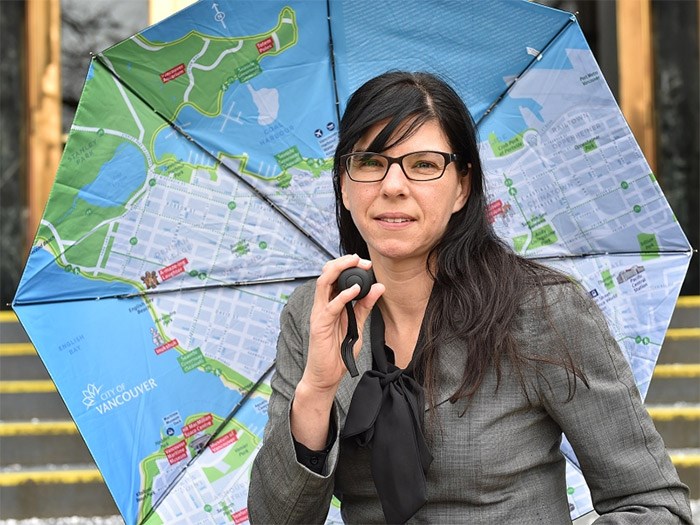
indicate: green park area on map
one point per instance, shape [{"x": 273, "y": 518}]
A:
[
  {"x": 501, "y": 149},
  {"x": 166, "y": 82},
  {"x": 240, "y": 443},
  {"x": 117, "y": 119},
  {"x": 648, "y": 245},
  {"x": 101, "y": 128}
]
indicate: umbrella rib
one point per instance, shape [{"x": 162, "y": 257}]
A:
[
  {"x": 108, "y": 66},
  {"x": 601, "y": 254},
  {"x": 145, "y": 293},
  {"x": 332, "y": 55},
  {"x": 299, "y": 278},
  {"x": 226, "y": 421},
  {"x": 534, "y": 60}
]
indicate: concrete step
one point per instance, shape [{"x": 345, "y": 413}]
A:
[
  {"x": 682, "y": 345},
  {"x": 687, "y": 312},
  {"x": 678, "y": 424},
  {"x": 682, "y": 342},
  {"x": 32, "y": 399},
  {"x": 52, "y": 491},
  {"x": 669, "y": 390},
  {"x": 673, "y": 383},
  {"x": 35, "y": 443},
  {"x": 10, "y": 329},
  {"x": 20, "y": 361},
  {"x": 687, "y": 463}
]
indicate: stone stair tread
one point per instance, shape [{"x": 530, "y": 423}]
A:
[
  {"x": 67, "y": 520},
  {"x": 685, "y": 457},
  {"x": 61, "y": 474},
  {"x": 37, "y": 427},
  {"x": 49, "y": 467}
]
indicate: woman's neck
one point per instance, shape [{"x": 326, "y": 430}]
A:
[{"x": 408, "y": 288}]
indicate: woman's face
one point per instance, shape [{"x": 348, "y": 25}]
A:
[{"x": 400, "y": 218}]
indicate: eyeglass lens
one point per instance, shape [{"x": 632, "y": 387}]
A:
[{"x": 421, "y": 165}]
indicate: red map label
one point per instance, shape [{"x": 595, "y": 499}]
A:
[
  {"x": 176, "y": 452},
  {"x": 172, "y": 270},
  {"x": 265, "y": 45},
  {"x": 240, "y": 516},
  {"x": 495, "y": 208},
  {"x": 224, "y": 441},
  {"x": 202, "y": 423},
  {"x": 167, "y": 346},
  {"x": 173, "y": 73}
]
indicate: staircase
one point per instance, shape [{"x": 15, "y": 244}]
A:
[
  {"x": 673, "y": 399},
  {"x": 47, "y": 471},
  {"x": 45, "y": 467}
]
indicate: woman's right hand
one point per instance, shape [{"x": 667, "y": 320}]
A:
[
  {"x": 314, "y": 394},
  {"x": 328, "y": 324}
]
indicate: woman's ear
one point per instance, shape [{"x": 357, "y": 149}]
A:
[
  {"x": 464, "y": 189},
  {"x": 343, "y": 191}
]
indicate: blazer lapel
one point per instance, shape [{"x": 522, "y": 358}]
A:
[{"x": 451, "y": 363}]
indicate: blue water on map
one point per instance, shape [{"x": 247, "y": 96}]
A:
[
  {"x": 293, "y": 126},
  {"x": 511, "y": 110},
  {"x": 240, "y": 18},
  {"x": 300, "y": 74},
  {"x": 510, "y": 121},
  {"x": 117, "y": 179},
  {"x": 64, "y": 283},
  {"x": 90, "y": 72},
  {"x": 108, "y": 353},
  {"x": 173, "y": 143}
]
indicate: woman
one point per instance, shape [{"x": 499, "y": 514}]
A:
[{"x": 503, "y": 354}]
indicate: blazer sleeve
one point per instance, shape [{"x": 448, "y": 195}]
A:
[
  {"x": 282, "y": 490},
  {"x": 622, "y": 456}
]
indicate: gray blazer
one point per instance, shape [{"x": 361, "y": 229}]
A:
[{"x": 496, "y": 459}]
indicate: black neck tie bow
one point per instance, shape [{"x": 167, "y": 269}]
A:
[{"x": 386, "y": 414}]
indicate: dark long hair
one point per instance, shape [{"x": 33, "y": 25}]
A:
[{"x": 479, "y": 282}]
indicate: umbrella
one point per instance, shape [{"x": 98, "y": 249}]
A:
[{"x": 194, "y": 194}]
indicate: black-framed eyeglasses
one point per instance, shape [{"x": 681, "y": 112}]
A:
[{"x": 365, "y": 166}]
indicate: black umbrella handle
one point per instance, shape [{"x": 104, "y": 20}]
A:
[
  {"x": 348, "y": 278},
  {"x": 346, "y": 348}
]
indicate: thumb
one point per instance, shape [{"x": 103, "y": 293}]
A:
[{"x": 364, "y": 307}]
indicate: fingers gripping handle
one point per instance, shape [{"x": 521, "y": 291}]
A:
[
  {"x": 346, "y": 349},
  {"x": 348, "y": 278}
]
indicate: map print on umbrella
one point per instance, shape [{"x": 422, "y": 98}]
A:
[
  {"x": 282, "y": 119},
  {"x": 571, "y": 187},
  {"x": 195, "y": 194},
  {"x": 139, "y": 207}
]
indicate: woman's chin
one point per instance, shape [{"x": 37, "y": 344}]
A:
[{"x": 397, "y": 252}]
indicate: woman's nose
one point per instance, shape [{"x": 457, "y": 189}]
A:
[{"x": 395, "y": 180}]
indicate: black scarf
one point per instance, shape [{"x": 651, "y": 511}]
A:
[{"x": 386, "y": 414}]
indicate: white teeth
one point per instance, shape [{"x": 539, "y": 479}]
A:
[{"x": 396, "y": 220}]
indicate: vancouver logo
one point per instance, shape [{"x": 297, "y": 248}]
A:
[
  {"x": 105, "y": 400},
  {"x": 89, "y": 395}
]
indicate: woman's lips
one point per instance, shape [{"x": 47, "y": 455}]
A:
[{"x": 394, "y": 219}]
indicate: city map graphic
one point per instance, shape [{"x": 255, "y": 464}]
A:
[{"x": 195, "y": 194}]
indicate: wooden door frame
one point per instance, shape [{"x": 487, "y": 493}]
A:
[
  {"x": 636, "y": 73},
  {"x": 43, "y": 105}
]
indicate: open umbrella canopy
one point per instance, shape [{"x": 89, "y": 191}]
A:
[{"x": 195, "y": 193}]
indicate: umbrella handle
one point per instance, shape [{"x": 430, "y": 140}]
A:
[
  {"x": 349, "y": 342},
  {"x": 348, "y": 278}
]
